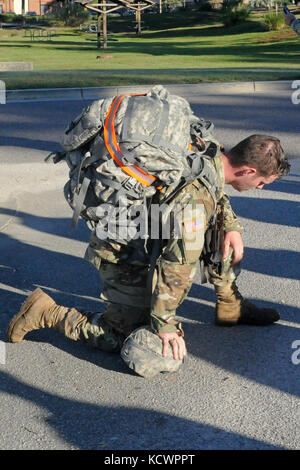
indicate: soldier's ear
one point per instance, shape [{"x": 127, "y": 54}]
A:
[
  {"x": 247, "y": 170},
  {"x": 250, "y": 170}
]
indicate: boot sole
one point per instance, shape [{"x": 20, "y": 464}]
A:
[
  {"x": 226, "y": 323},
  {"x": 24, "y": 308}
]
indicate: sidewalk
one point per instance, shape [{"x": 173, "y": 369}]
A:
[{"x": 47, "y": 94}]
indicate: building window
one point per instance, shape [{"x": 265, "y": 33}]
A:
[
  {"x": 44, "y": 9},
  {"x": 1, "y": 9}
]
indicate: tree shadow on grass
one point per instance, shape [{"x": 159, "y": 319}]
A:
[
  {"x": 269, "y": 53},
  {"x": 214, "y": 30},
  {"x": 15, "y": 45}
]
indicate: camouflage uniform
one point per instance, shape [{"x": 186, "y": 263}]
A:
[{"x": 130, "y": 303}]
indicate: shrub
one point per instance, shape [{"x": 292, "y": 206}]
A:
[
  {"x": 9, "y": 18},
  {"x": 273, "y": 22},
  {"x": 234, "y": 12},
  {"x": 205, "y": 6}
]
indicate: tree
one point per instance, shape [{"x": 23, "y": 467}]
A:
[{"x": 72, "y": 14}]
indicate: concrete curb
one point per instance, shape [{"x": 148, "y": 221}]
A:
[
  {"x": 16, "y": 66},
  {"x": 47, "y": 94}
]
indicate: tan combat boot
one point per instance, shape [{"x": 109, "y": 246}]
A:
[
  {"x": 40, "y": 311},
  {"x": 232, "y": 309}
]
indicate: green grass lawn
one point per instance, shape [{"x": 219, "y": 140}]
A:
[{"x": 202, "y": 50}]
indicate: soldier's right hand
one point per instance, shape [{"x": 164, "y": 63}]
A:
[
  {"x": 233, "y": 244},
  {"x": 289, "y": 18},
  {"x": 176, "y": 342}
]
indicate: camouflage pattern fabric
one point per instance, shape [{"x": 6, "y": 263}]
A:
[
  {"x": 124, "y": 284},
  {"x": 97, "y": 333},
  {"x": 154, "y": 133},
  {"x": 142, "y": 352}
]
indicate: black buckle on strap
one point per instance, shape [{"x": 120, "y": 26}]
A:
[{"x": 130, "y": 183}]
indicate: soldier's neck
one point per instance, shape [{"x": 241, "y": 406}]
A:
[{"x": 228, "y": 169}]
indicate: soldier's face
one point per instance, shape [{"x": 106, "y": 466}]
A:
[{"x": 249, "y": 180}]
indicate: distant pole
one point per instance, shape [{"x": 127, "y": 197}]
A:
[
  {"x": 99, "y": 31},
  {"x": 160, "y": 6},
  {"x": 104, "y": 25},
  {"x": 138, "y": 19}
]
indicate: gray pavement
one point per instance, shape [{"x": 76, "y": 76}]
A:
[{"x": 239, "y": 388}]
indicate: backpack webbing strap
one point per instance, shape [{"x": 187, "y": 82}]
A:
[
  {"x": 121, "y": 189},
  {"x": 79, "y": 200},
  {"x": 155, "y": 253},
  {"x": 115, "y": 151}
]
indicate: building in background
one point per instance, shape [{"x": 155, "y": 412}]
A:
[{"x": 39, "y": 7}]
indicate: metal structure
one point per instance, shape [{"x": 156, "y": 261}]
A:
[
  {"x": 38, "y": 33},
  {"x": 105, "y": 7}
]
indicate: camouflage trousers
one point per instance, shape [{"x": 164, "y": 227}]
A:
[
  {"x": 129, "y": 305},
  {"x": 127, "y": 308}
]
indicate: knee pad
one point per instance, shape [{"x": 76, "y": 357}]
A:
[{"x": 142, "y": 352}]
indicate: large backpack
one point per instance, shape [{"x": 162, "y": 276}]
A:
[{"x": 133, "y": 146}]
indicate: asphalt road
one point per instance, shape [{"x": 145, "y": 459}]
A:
[{"x": 239, "y": 387}]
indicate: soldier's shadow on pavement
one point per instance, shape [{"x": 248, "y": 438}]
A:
[{"x": 87, "y": 426}]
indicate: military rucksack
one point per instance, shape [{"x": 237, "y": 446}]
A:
[{"x": 133, "y": 146}]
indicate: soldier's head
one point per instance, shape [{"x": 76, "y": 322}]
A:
[{"x": 254, "y": 162}]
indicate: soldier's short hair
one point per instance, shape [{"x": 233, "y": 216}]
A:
[{"x": 263, "y": 152}]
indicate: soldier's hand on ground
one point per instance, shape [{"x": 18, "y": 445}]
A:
[
  {"x": 288, "y": 18},
  {"x": 176, "y": 342},
  {"x": 234, "y": 241}
]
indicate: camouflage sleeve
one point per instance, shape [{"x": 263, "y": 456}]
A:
[
  {"x": 173, "y": 282},
  {"x": 176, "y": 268},
  {"x": 231, "y": 222}
]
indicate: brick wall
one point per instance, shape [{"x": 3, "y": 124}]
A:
[
  {"x": 33, "y": 5},
  {"x": 37, "y": 5},
  {"x": 8, "y": 5}
]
